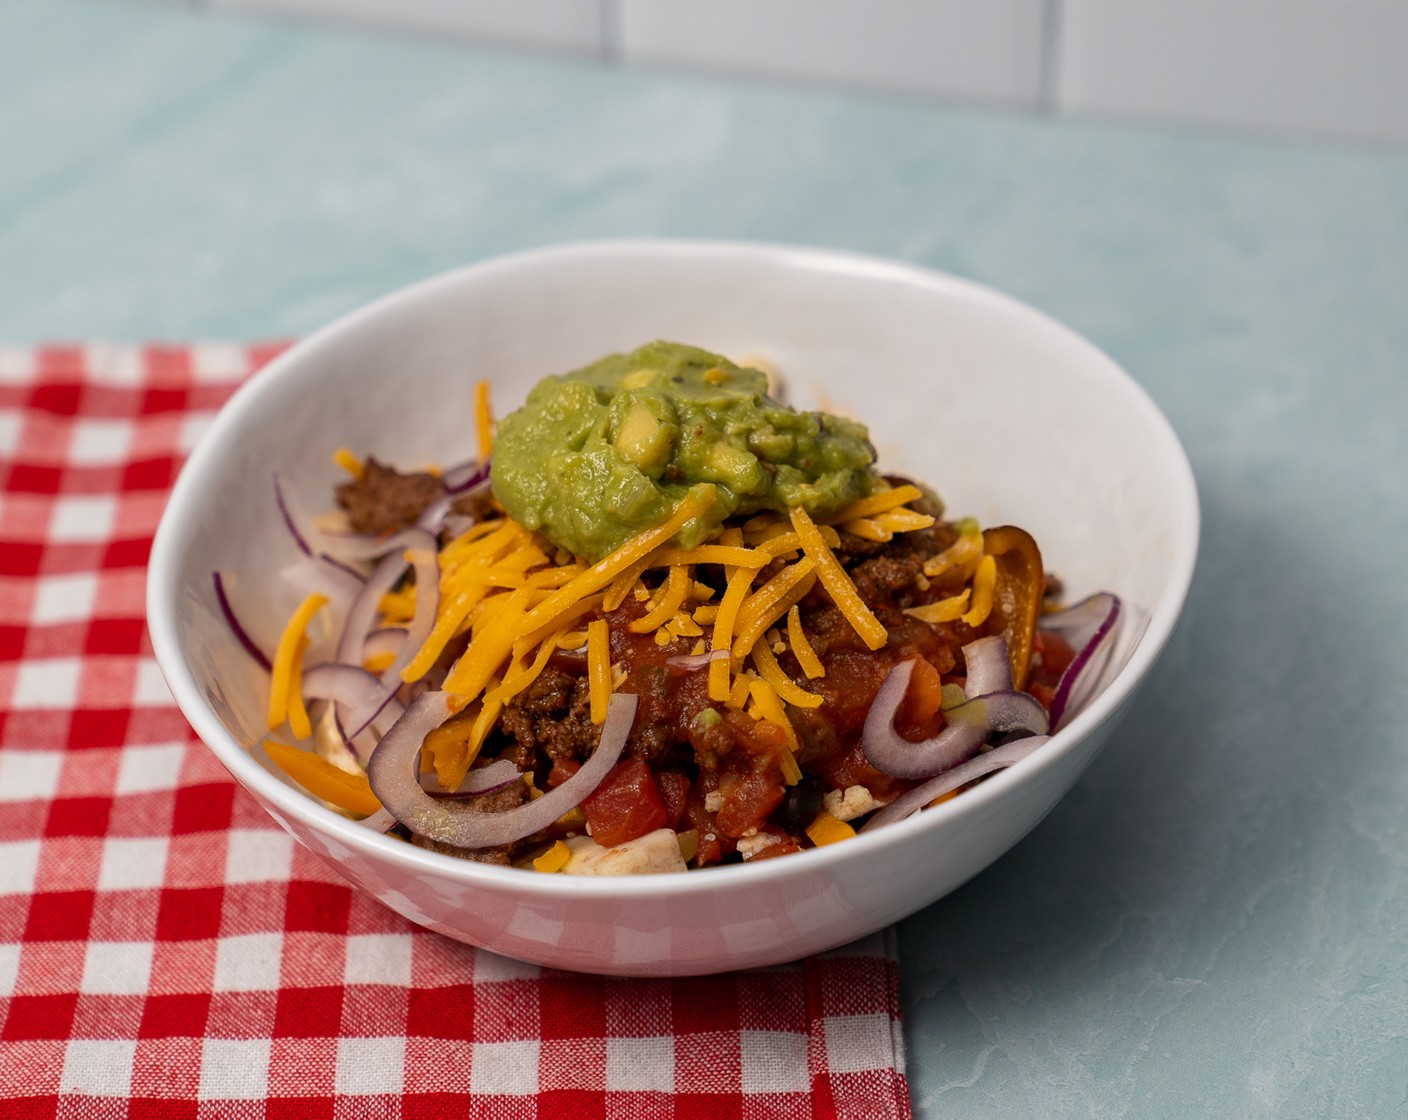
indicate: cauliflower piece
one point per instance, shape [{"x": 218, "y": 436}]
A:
[
  {"x": 651, "y": 854},
  {"x": 848, "y": 804}
]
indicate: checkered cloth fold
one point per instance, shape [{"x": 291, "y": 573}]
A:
[{"x": 166, "y": 951}]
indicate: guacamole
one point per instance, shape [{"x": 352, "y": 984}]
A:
[{"x": 595, "y": 457}]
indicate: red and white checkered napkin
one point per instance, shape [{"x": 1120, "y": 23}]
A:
[{"x": 166, "y": 951}]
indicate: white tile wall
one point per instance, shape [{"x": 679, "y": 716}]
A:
[
  {"x": 561, "y": 25},
  {"x": 984, "y": 49},
  {"x": 1321, "y": 67},
  {"x": 1332, "y": 67}
]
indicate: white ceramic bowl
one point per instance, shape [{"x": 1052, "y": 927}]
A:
[{"x": 1012, "y": 417}]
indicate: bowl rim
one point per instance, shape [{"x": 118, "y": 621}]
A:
[{"x": 163, "y": 607}]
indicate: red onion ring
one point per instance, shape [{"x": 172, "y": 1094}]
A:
[
  {"x": 241, "y": 635},
  {"x": 970, "y": 724},
  {"x": 392, "y": 773},
  {"x": 387, "y": 639},
  {"x": 361, "y": 614},
  {"x": 989, "y": 667},
  {"x": 887, "y": 750},
  {"x": 1087, "y": 626},
  {"x": 1002, "y": 712},
  {"x": 487, "y": 779},
  {"x": 907, "y": 804},
  {"x": 360, "y": 694}
]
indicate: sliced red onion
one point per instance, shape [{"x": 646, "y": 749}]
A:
[
  {"x": 295, "y": 519},
  {"x": 362, "y": 613},
  {"x": 387, "y": 639},
  {"x": 1002, "y": 712},
  {"x": 393, "y": 778},
  {"x": 697, "y": 660},
  {"x": 433, "y": 516},
  {"x": 363, "y": 609},
  {"x": 487, "y": 779},
  {"x": 886, "y": 749},
  {"x": 241, "y": 635},
  {"x": 319, "y": 573},
  {"x": 990, "y": 711},
  {"x": 360, "y": 695},
  {"x": 1088, "y": 627},
  {"x": 421, "y": 545},
  {"x": 465, "y": 477},
  {"x": 906, "y": 805},
  {"x": 989, "y": 666}
]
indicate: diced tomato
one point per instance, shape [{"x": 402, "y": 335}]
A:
[
  {"x": 625, "y": 806},
  {"x": 782, "y": 845},
  {"x": 918, "y": 716},
  {"x": 711, "y": 846},
  {"x": 562, "y": 769},
  {"x": 1056, "y": 653},
  {"x": 674, "y": 791},
  {"x": 1044, "y": 694},
  {"x": 749, "y": 798}
]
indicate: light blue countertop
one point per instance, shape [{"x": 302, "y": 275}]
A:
[{"x": 1214, "y": 922}]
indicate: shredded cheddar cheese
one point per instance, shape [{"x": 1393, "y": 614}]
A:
[
  {"x": 801, "y": 648},
  {"x": 285, "y": 657},
  {"x": 945, "y": 610},
  {"x": 878, "y": 503},
  {"x": 826, "y": 829},
  {"x": 600, "y": 574},
  {"x": 766, "y": 663},
  {"x": 554, "y": 859},
  {"x": 837, "y": 583},
  {"x": 344, "y": 458},
  {"x": 349, "y": 792},
  {"x": 984, "y": 580},
  {"x": 599, "y": 668},
  {"x": 770, "y": 602},
  {"x": 483, "y": 419},
  {"x": 729, "y": 606}
]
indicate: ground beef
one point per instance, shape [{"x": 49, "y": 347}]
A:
[
  {"x": 499, "y": 801},
  {"x": 384, "y": 500},
  {"x": 885, "y": 575},
  {"x": 553, "y": 714}
]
